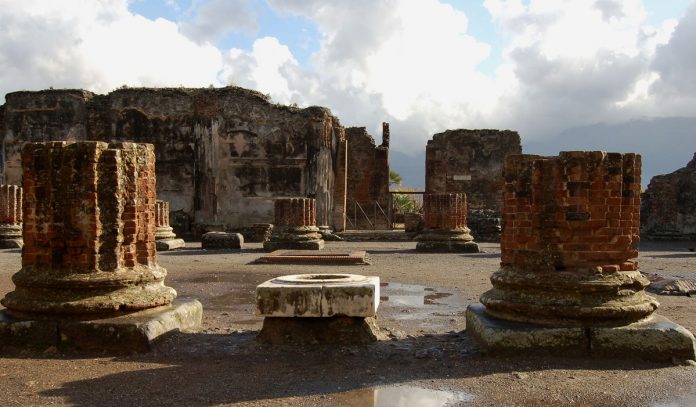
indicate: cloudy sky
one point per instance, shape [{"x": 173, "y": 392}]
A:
[{"x": 547, "y": 68}]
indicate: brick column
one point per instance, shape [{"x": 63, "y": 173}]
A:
[
  {"x": 10, "y": 216},
  {"x": 445, "y": 230},
  {"x": 89, "y": 232},
  {"x": 570, "y": 241},
  {"x": 295, "y": 225},
  {"x": 165, "y": 238}
]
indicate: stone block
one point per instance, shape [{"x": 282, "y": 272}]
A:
[
  {"x": 169, "y": 244},
  {"x": 655, "y": 338},
  {"x": 133, "y": 332},
  {"x": 318, "y": 295},
  {"x": 500, "y": 335},
  {"x": 222, "y": 240},
  {"x": 310, "y": 331},
  {"x": 447, "y": 246}
]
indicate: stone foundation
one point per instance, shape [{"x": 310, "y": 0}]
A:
[
  {"x": 568, "y": 249},
  {"x": 295, "y": 226},
  {"x": 89, "y": 234},
  {"x": 10, "y": 217},
  {"x": 445, "y": 227}
]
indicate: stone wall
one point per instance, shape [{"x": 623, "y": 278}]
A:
[
  {"x": 470, "y": 161},
  {"x": 367, "y": 178},
  {"x": 669, "y": 205},
  {"x": 223, "y": 154}
]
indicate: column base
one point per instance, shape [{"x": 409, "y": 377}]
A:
[
  {"x": 654, "y": 338},
  {"x": 17, "y": 243},
  {"x": 325, "y": 330},
  {"x": 169, "y": 244},
  {"x": 134, "y": 332}
]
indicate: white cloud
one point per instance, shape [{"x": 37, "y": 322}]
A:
[
  {"x": 262, "y": 68},
  {"x": 216, "y": 18},
  {"x": 97, "y": 45},
  {"x": 576, "y": 62}
]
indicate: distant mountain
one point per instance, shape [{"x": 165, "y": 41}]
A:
[
  {"x": 410, "y": 167},
  {"x": 666, "y": 144}
]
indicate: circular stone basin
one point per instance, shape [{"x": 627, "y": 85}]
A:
[{"x": 320, "y": 279}]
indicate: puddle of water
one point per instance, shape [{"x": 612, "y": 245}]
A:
[
  {"x": 688, "y": 400},
  {"x": 401, "y": 396},
  {"x": 418, "y": 296}
]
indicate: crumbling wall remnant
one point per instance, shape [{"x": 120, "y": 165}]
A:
[
  {"x": 669, "y": 205},
  {"x": 223, "y": 154},
  {"x": 367, "y": 179}
]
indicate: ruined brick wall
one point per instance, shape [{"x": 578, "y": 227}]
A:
[
  {"x": 223, "y": 155},
  {"x": 470, "y": 161},
  {"x": 368, "y": 177},
  {"x": 669, "y": 205},
  {"x": 573, "y": 211}
]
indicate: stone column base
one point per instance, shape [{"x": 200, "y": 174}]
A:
[
  {"x": 169, "y": 244},
  {"x": 308, "y": 331},
  {"x": 294, "y": 238},
  {"x": 124, "y": 334},
  {"x": 11, "y": 243},
  {"x": 654, "y": 338},
  {"x": 11, "y": 236}
]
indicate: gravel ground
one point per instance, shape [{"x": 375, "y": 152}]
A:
[{"x": 430, "y": 359}]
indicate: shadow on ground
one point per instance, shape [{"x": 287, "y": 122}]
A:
[{"x": 205, "y": 369}]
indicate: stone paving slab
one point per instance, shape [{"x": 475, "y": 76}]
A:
[{"x": 358, "y": 257}]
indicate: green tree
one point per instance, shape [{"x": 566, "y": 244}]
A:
[{"x": 394, "y": 178}]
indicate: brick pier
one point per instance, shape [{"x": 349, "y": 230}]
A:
[
  {"x": 89, "y": 243},
  {"x": 165, "y": 238},
  {"x": 295, "y": 225},
  {"x": 444, "y": 220},
  {"x": 568, "y": 261},
  {"x": 10, "y": 217}
]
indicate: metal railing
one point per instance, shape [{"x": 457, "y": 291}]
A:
[{"x": 359, "y": 214}]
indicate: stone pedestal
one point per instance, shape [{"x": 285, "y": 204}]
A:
[
  {"x": 260, "y": 232},
  {"x": 445, "y": 230},
  {"x": 89, "y": 235},
  {"x": 295, "y": 226},
  {"x": 165, "y": 238},
  {"x": 10, "y": 217},
  {"x": 325, "y": 308},
  {"x": 568, "y": 269}
]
